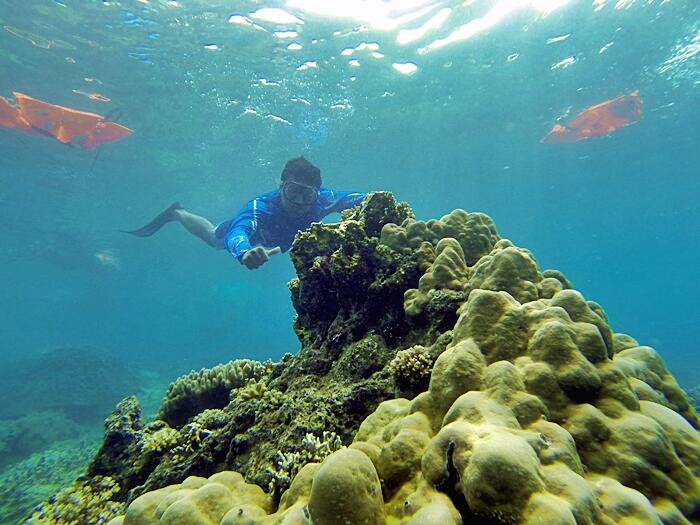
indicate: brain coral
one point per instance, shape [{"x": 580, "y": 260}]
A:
[{"x": 536, "y": 411}]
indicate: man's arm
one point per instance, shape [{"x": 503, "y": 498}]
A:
[
  {"x": 241, "y": 228},
  {"x": 256, "y": 257},
  {"x": 237, "y": 238},
  {"x": 346, "y": 199}
]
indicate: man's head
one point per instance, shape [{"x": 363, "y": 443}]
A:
[{"x": 299, "y": 186}]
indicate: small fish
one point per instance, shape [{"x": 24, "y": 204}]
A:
[
  {"x": 107, "y": 258},
  {"x": 563, "y": 64},
  {"x": 556, "y": 39},
  {"x": 92, "y": 96}
]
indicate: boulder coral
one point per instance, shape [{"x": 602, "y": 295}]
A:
[{"x": 535, "y": 411}]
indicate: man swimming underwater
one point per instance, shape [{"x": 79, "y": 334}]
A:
[{"x": 266, "y": 225}]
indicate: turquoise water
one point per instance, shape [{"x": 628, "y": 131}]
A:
[{"x": 218, "y": 100}]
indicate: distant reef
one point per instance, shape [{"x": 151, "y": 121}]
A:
[
  {"x": 443, "y": 378},
  {"x": 80, "y": 382},
  {"x": 61, "y": 394}
]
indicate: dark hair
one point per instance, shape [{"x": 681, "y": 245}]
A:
[{"x": 301, "y": 170}]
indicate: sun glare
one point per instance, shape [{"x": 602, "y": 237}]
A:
[
  {"x": 379, "y": 14},
  {"x": 415, "y": 19}
]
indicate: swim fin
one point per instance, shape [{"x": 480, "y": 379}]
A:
[{"x": 157, "y": 223}]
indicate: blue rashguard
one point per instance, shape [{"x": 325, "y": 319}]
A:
[{"x": 264, "y": 221}]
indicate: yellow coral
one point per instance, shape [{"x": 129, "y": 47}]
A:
[
  {"x": 536, "y": 413},
  {"x": 252, "y": 390},
  {"x": 475, "y": 232},
  {"x": 509, "y": 269},
  {"x": 161, "y": 440},
  {"x": 449, "y": 271},
  {"x": 197, "y": 501},
  {"x": 346, "y": 491},
  {"x": 85, "y": 502}
]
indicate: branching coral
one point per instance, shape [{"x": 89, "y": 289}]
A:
[
  {"x": 252, "y": 390},
  {"x": 208, "y": 388},
  {"x": 313, "y": 450},
  {"x": 411, "y": 367}
]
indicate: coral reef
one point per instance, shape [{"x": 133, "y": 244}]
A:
[
  {"x": 313, "y": 450},
  {"x": 207, "y": 388},
  {"x": 25, "y": 484},
  {"x": 348, "y": 283},
  {"x": 88, "y": 502},
  {"x": 43, "y": 451},
  {"x": 694, "y": 395},
  {"x": 33, "y": 432},
  {"x": 526, "y": 408},
  {"x": 197, "y": 501}
]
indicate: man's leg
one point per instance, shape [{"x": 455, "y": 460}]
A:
[{"x": 196, "y": 225}]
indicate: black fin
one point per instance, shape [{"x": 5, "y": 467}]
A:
[{"x": 157, "y": 223}]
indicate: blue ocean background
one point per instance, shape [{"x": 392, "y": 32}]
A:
[{"x": 219, "y": 102}]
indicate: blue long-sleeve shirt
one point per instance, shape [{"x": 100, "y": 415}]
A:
[{"x": 264, "y": 221}]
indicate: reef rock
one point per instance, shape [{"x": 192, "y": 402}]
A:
[{"x": 523, "y": 406}]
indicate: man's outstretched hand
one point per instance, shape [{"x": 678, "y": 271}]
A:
[{"x": 256, "y": 257}]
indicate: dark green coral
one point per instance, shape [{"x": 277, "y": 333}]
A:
[{"x": 349, "y": 284}]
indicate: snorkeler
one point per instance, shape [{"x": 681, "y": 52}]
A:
[{"x": 266, "y": 225}]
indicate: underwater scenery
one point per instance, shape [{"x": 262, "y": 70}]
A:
[{"x": 461, "y": 284}]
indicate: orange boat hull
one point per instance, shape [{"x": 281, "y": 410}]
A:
[
  {"x": 10, "y": 116},
  {"x": 598, "y": 120},
  {"x": 70, "y": 126}
]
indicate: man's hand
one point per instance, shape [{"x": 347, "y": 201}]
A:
[{"x": 256, "y": 257}]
